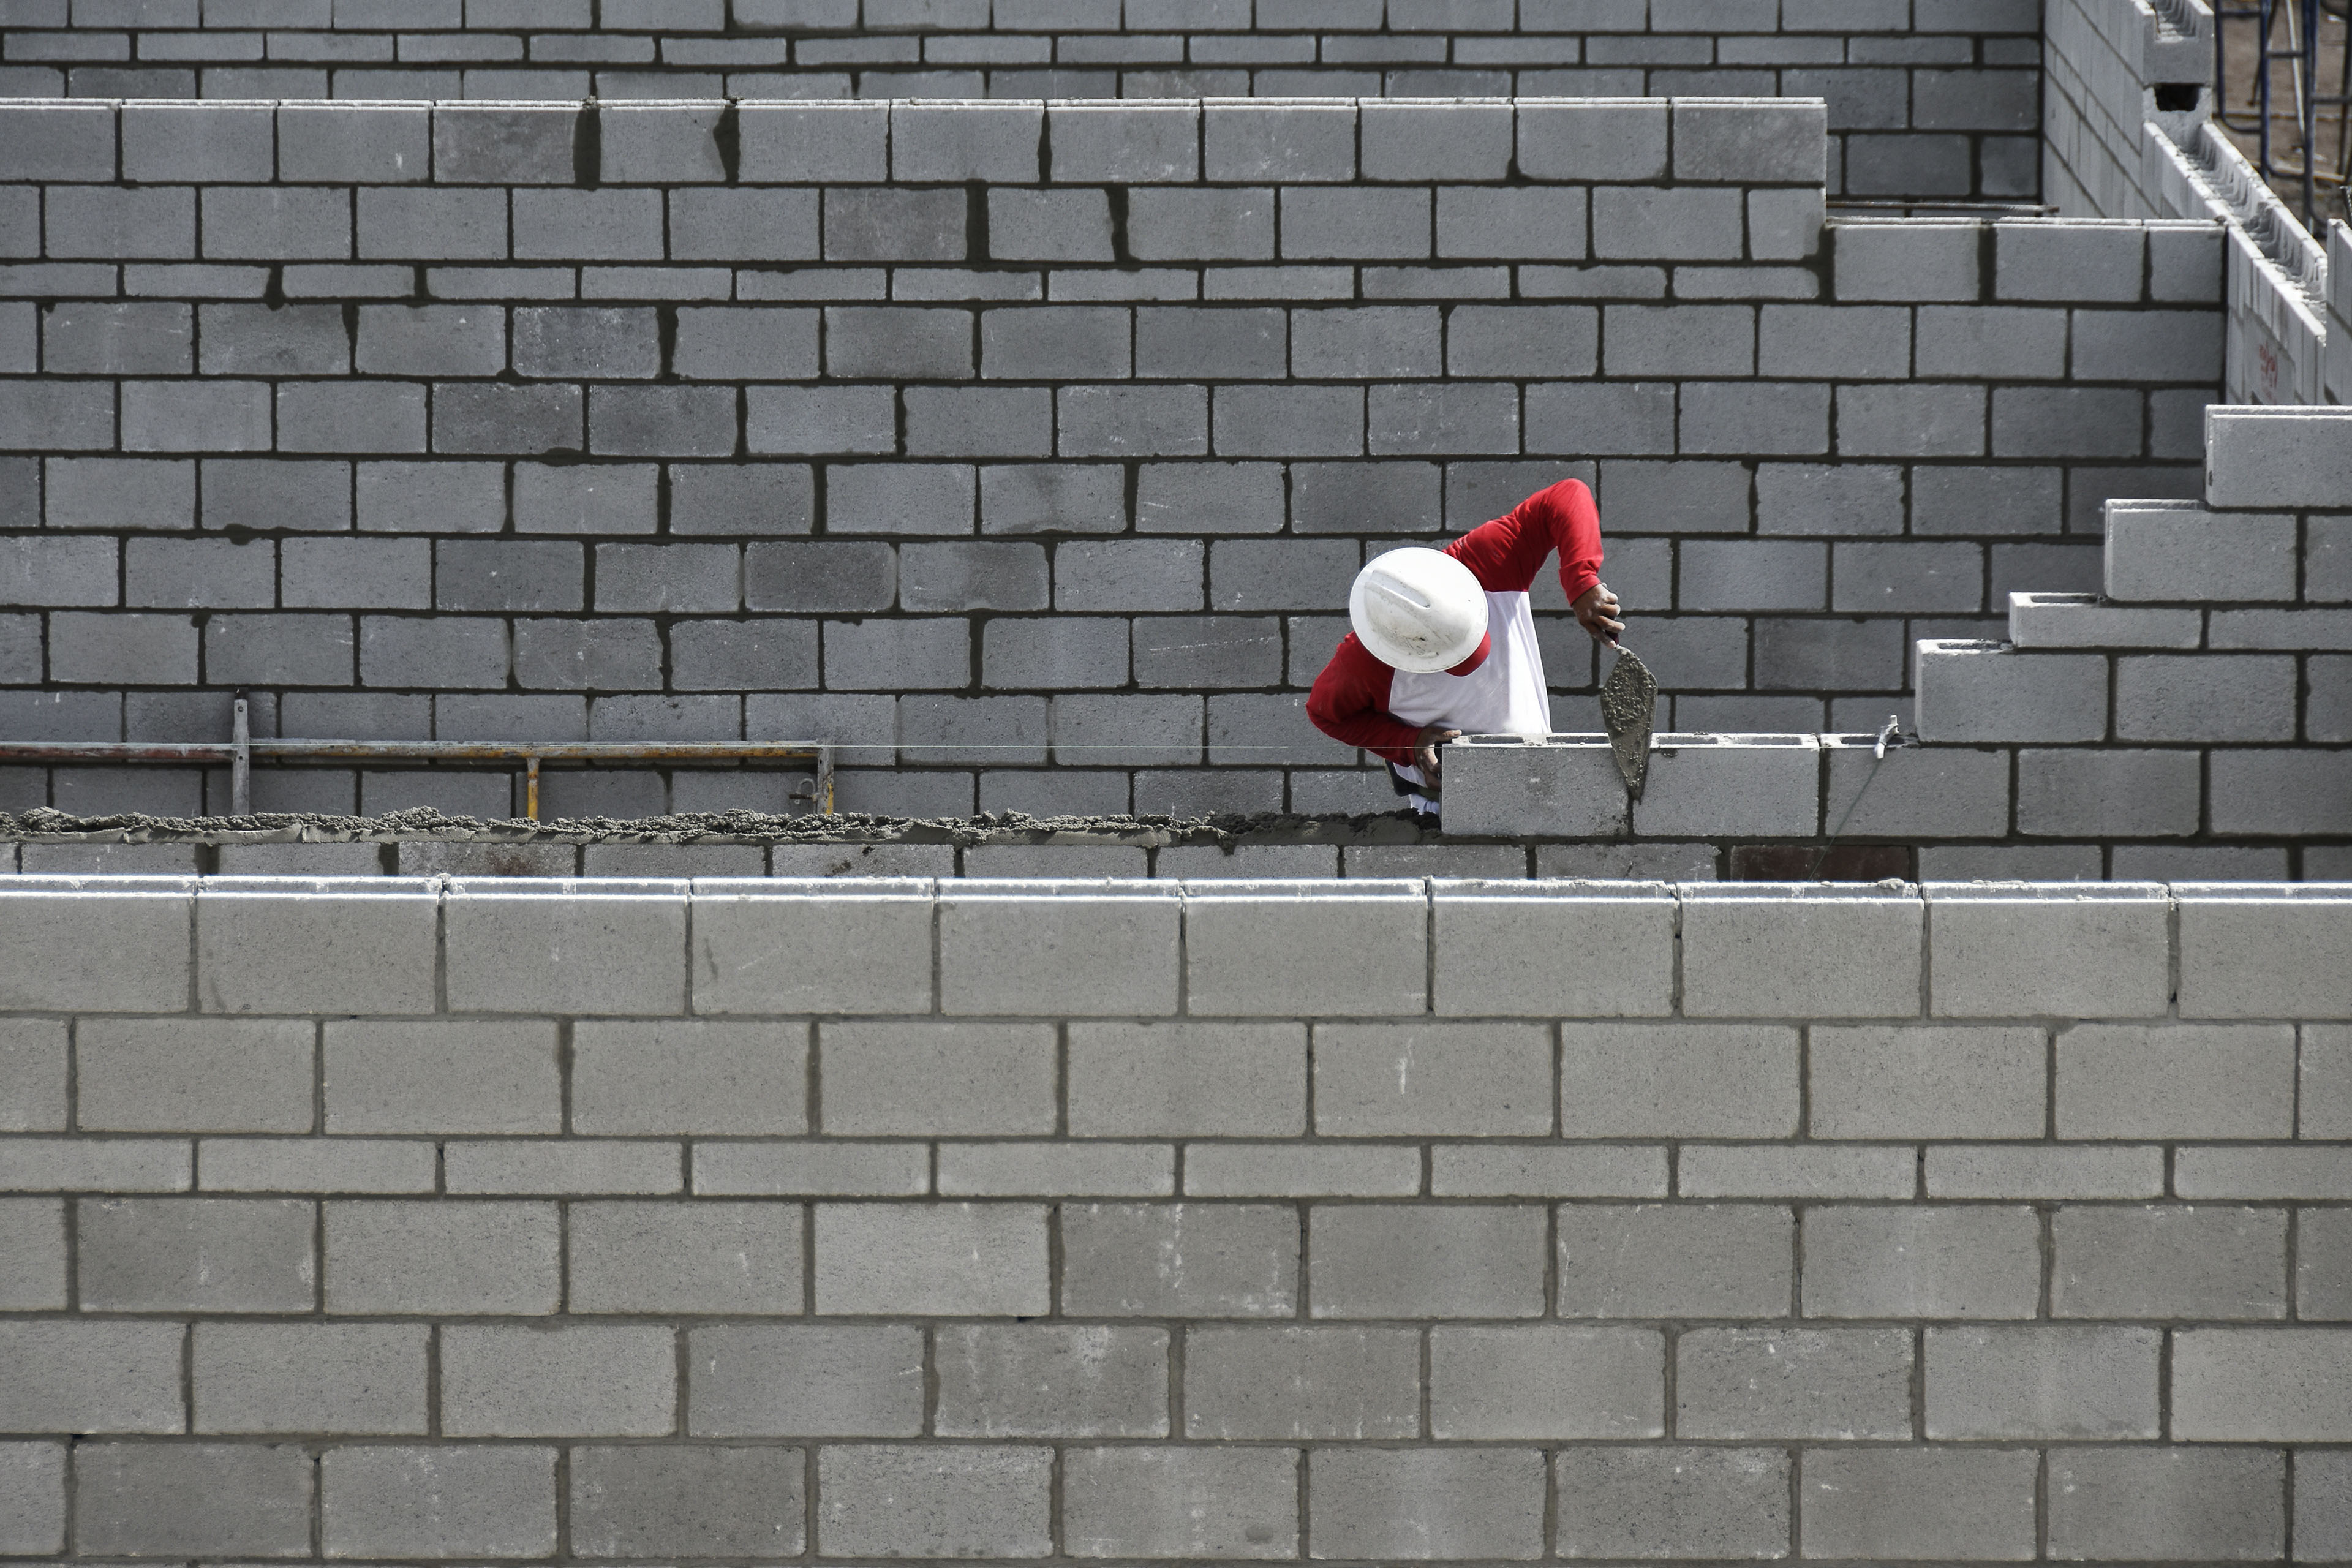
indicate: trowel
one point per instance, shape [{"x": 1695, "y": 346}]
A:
[{"x": 1629, "y": 710}]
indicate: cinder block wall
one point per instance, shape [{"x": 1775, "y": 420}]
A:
[
  {"x": 426, "y": 1221},
  {"x": 2106, "y": 62},
  {"x": 1928, "y": 98},
  {"x": 1030, "y": 447}
]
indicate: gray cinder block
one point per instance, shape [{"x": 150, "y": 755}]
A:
[
  {"x": 1052, "y": 1380},
  {"x": 461, "y": 1499},
  {"x": 195, "y": 1075},
  {"x": 1232, "y": 1260},
  {"x": 2170, "y": 1261},
  {"x": 1180, "y": 1502},
  {"x": 1301, "y": 1382},
  {"x": 586, "y": 948},
  {"x": 1919, "y": 1503},
  {"x": 1077, "y": 949},
  {"x": 928, "y": 1079},
  {"x": 33, "y": 1497},
  {"x": 891, "y": 1502},
  {"x": 1384, "y": 1261},
  {"x": 1289, "y": 142},
  {"x": 369, "y": 947},
  {"x": 203, "y": 1255},
  {"x": 1643, "y": 1260},
  {"x": 1847, "y": 951},
  {"x": 581, "y": 1378},
  {"x": 2211, "y": 1502},
  {"x": 881, "y": 931},
  {"x": 1503, "y": 785},
  {"x": 2191, "y": 1080},
  {"x": 1989, "y": 692},
  {"x": 1766, "y": 785},
  {"x": 680, "y": 1077},
  {"x": 1874, "y": 1082},
  {"x": 309, "y": 1377},
  {"x": 1933, "y": 1262},
  {"x": 1677, "y": 1080},
  {"x": 687, "y": 1501},
  {"x": 91, "y": 1375},
  {"x": 1547, "y": 1381},
  {"x": 1377, "y": 1080},
  {"x": 1269, "y": 948},
  {"x": 2164, "y": 552},
  {"x": 1793, "y": 1382},
  {"x": 1999, "y": 954},
  {"x": 1699, "y": 1501},
  {"x": 235, "y": 1499},
  {"x": 950, "y": 1260},
  {"x": 1475, "y": 1502},
  {"x": 805, "y": 1379},
  {"x": 713, "y": 1257},
  {"x": 442, "y": 1076},
  {"x": 2043, "y": 1381},
  {"x": 34, "y": 1075}
]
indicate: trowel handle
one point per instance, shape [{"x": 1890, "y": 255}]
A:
[{"x": 1613, "y": 643}]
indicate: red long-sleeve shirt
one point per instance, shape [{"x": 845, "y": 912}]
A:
[{"x": 1351, "y": 699}]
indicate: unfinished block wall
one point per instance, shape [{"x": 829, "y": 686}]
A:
[
  {"x": 1928, "y": 98},
  {"x": 1031, "y": 447},
  {"x": 419, "y": 1221},
  {"x": 2108, "y": 60}
]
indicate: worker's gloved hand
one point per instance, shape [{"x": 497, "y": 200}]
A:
[
  {"x": 1424, "y": 749},
  {"x": 1596, "y": 611}
]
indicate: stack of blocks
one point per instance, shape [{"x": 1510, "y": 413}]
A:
[{"x": 429, "y": 1220}]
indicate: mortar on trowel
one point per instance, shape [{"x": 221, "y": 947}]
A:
[{"x": 1629, "y": 710}]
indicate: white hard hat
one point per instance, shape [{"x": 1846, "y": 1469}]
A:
[{"x": 1419, "y": 610}]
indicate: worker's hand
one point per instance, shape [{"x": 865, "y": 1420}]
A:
[
  {"x": 1596, "y": 611},
  {"x": 1425, "y": 754}
]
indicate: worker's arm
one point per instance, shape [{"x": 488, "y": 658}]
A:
[
  {"x": 1506, "y": 554},
  {"x": 1350, "y": 703}
]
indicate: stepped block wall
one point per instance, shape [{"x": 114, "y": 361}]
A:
[
  {"x": 1928, "y": 98},
  {"x": 433, "y": 1221},
  {"x": 2207, "y": 696},
  {"x": 1029, "y": 448}
]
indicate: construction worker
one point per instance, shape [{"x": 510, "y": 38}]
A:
[{"x": 1445, "y": 643}]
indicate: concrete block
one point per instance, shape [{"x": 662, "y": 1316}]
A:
[
  {"x": 1726, "y": 1502},
  {"x": 2191, "y": 1080},
  {"x": 2080, "y": 620},
  {"x": 2293, "y": 458},
  {"x": 33, "y": 1497},
  {"x": 1847, "y": 951},
  {"x": 1221, "y": 225},
  {"x": 1748, "y": 1383},
  {"x": 2173, "y": 1261},
  {"x": 883, "y": 1500},
  {"x": 120, "y": 1166},
  {"x": 91, "y": 1376},
  {"x": 1654, "y": 1260},
  {"x": 1593, "y": 142},
  {"x": 1386, "y": 1261},
  {"x": 118, "y": 224},
  {"x": 205, "y": 1255},
  {"x": 925, "y": 1080},
  {"x": 2323, "y": 1506},
  {"x": 1052, "y": 1380},
  {"x": 97, "y": 947},
  {"x": 903, "y": 226},
  {"x": 51, "y": 140},
  {"x": 359, "y": 947},
  {"x": 318, "y": 1165},
  {"x": 1177, "y": 1079},
  {"x": 2067, "y": 260},
  {"x": 581, "y": 1378},
  {"x": 195, "y": 1075},
  {"x": 804, "y": 1380},
  {"x": 162, "y": 1499},
  {"x": 2222, "y": 1171},
  {"x": 2269, "y": 1386},
  {"x": 33, "y": 1278},
  {"x": 1750, "y": 144},
  {"x": 1285, "y": 949},
  {"x": 2247, "y": 952},
  {"x": 1678, "y": 1081},
  {"x": 2323, "y": 1271},
  {"x": 461, "y": 1499},
  {"x": 1355, "y": 225},
  {"x": 1996, "y": 952},
  {"x": 1427, "y": 1503},
  {"x": 1378, "y": 1079},
  {"x": 1181, "y": 1502},
  {"x": 2105, "y": 793},
  {"x": 1182, "y": 1260},
  {"x": 1927, "y": 1082},
  {"x": 950, "y": 1259},
  {"x": 144, "y": 338},
  {"x": 787, "y": 142},
  {"x": 709, "y": 1259},
  {"x": 1922, "y": 1262},
  {"x": 442, "y": 1076},
  {"x": 1545, "y": 1381},
  {"x": 1766, "y": 1170},
  {"x": 560, "y": 1167},
  {"x": 2215, "y": 1503},
  {"x": 674, "y": 1078},
  {"x": 597, "y": 947},
  {"x": 309, "y": 1377},
  {"x": 1766, "y": 785},
  {"x": 1324, "y": 1382},
  {"x": 698, "y": 1501},
  {"x": 1505, "y": 786},
  {"x": 1416, "y": 139},
  {"x": 1989, "y": 692},
  {"x": 1124, "y": 144},
  {"x": 1916, "y": 1503},
  {"x": 2324, "y": 1092},
  {"x": 1922, "y": 259},
  {"x": 1288, "y": 142},
  {"x": 2158, "y": 552}
]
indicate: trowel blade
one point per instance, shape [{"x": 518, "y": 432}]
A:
[{"x": 1629, "y": 706}]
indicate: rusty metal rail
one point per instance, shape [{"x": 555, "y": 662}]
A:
[{"x": 239, "y": 751}]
